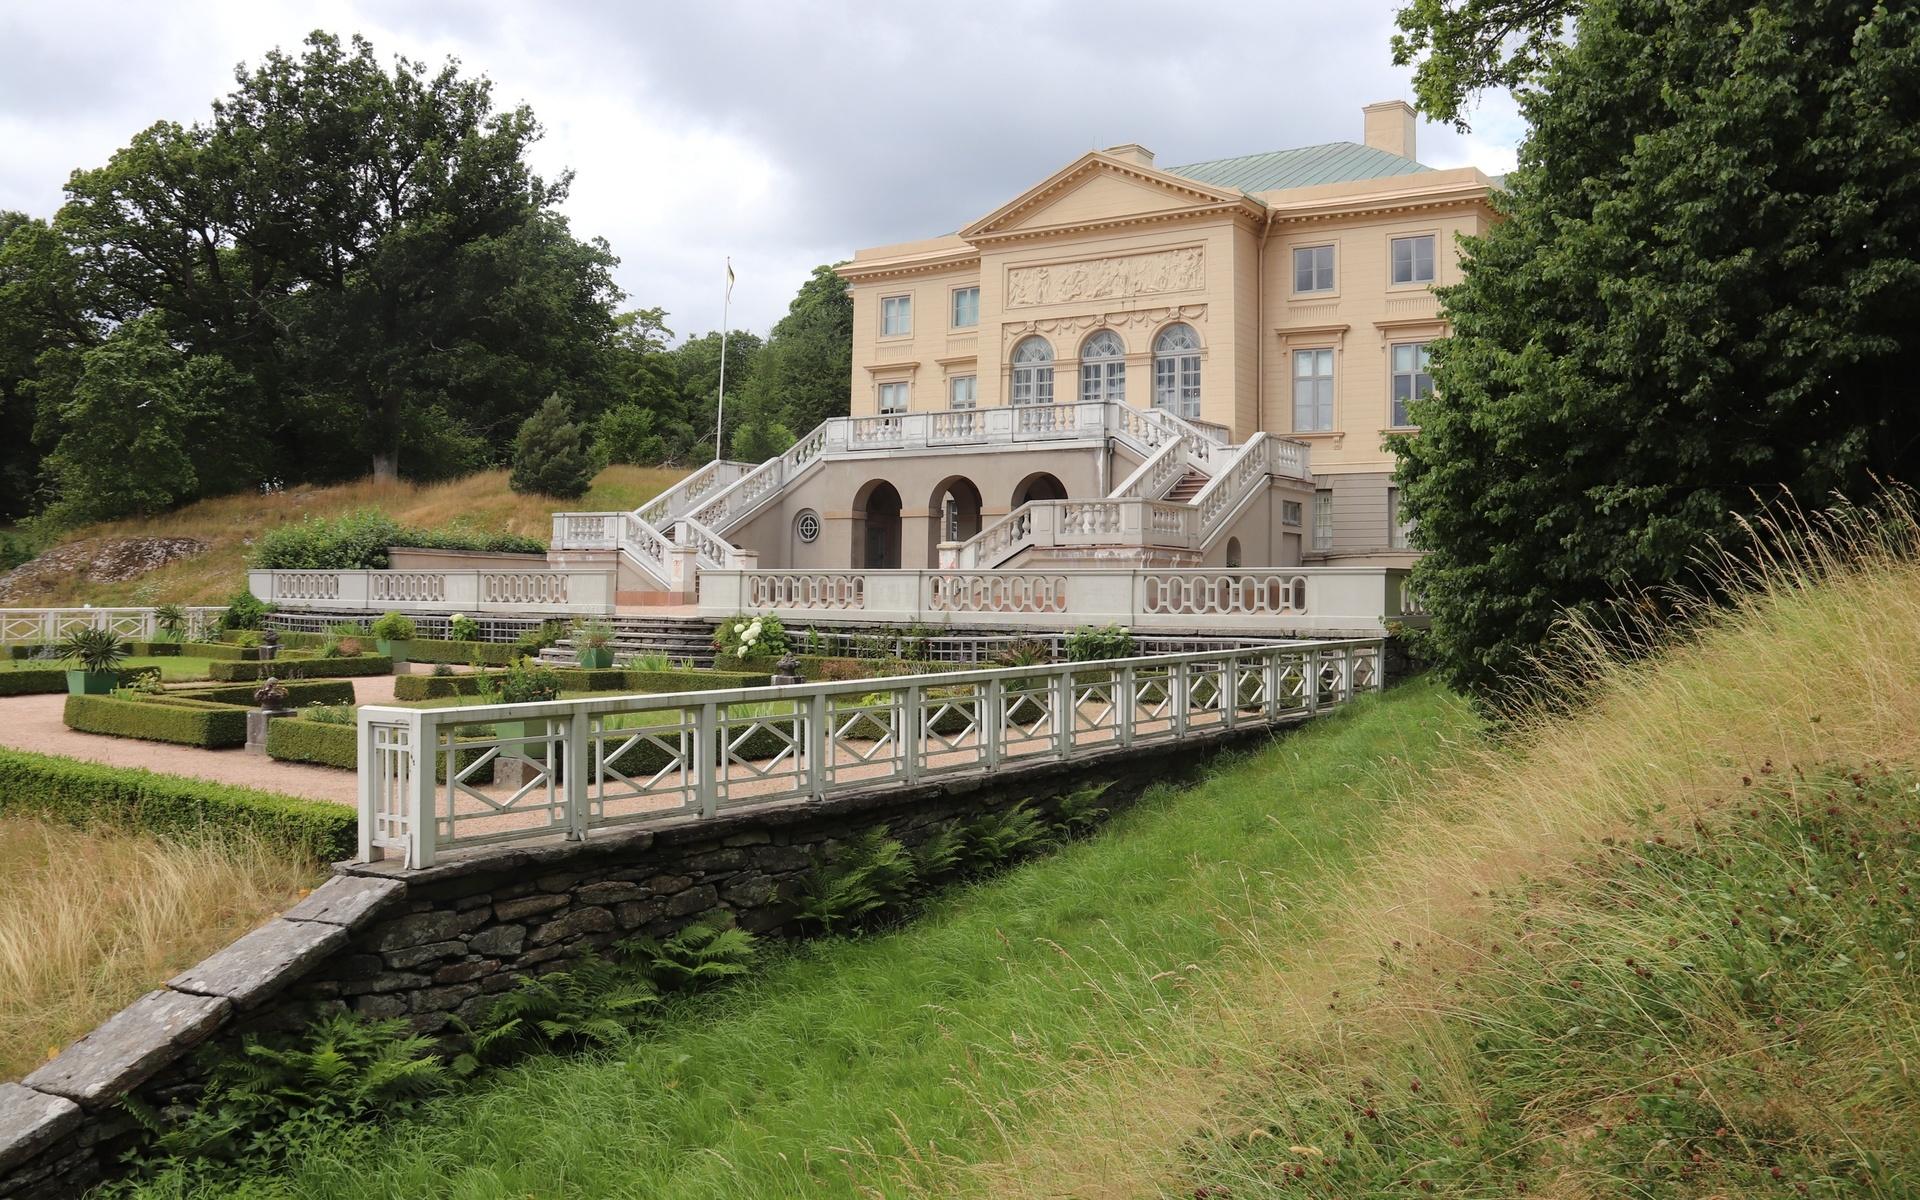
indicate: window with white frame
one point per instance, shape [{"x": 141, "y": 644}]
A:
[
  {"x": 1412, "y": 259},
  {"x": 1313, "y": 268},
  {"x": 966, "y": 307},
  {"x": 1176, "y": 371},
  {"x": 1033, "y": 372},
  {"x": 1312, "y": 391},
  {"x": 1411, "y": 379},
  {"x": 1290, "y": 513},
  {"x": 962, "y": 391},
  {"x": 1398, "y": 527},
  {"x": 1103, "y": 368},
  {"x": 896, "y": 316},
  {"x": 893, "y": 399},
  {"x": 1323, "y": 519}
]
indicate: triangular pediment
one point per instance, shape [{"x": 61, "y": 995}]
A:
[{"x": 1096, "y": 189}]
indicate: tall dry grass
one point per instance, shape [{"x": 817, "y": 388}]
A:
[
  {"x": 89, "y": 920},
  {"x": 1811, "y": 656},
  {"x": 231, "y": 523}
]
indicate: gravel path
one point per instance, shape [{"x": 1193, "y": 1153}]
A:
[{"x": 33, "y": 723}]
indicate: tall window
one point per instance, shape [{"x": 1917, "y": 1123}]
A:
[
  {"x": 1398, "y": 527},
  {"x": 893, "y": 398},
  {"x": 1103, "y": 368},
  {"x": 1313, "y": 269},
  {"x": 1176, "y": 371},
  {"x": 962, "y": 392},
  {"x": 896, "y": 316},
  {"x": 1413, "y": 259},
  {"x": 1411, "y": 380},
  {"x": 966, "y": 307},
  {"x": 1312, "y": 391},
  {"x": 1033, "y": 372},
  {"x": 1323, "y": 519}
]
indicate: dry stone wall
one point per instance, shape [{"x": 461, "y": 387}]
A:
[{"x": 433, "y": 944}]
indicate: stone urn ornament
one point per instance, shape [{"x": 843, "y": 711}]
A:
[
  {"x": 787, "y": 670},
  {"x": 269, "y": 644},
  {"x": 271, "y": 701}
]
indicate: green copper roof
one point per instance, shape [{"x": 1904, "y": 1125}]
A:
[{"x": 1335, "y": 162}]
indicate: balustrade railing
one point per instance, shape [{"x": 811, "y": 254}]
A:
[
  {"x": 45, "y": 626},
  {"x": 557, "y": 592},
  {"x": 1276, "y": 600},
  {"x": 434, "y": 780}
]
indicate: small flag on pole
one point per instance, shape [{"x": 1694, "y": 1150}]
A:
[{"x": 729, "y": 278}]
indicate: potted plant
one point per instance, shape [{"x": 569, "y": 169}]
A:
[
  {"x": 170, "y": 622},
  {"x": 391, "y": 633},
  {"x": 593, "y": 643},
  {"x": 97, "y": 654}
]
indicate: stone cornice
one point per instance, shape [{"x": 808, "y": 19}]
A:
[
  {"x": 1243, "y": 213},
  {"x": 938, "y": 260},
  {"x": 1446, "y": 197},
  {"x": 994, "y": 224}
]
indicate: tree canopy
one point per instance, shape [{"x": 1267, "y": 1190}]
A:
[{"x": 1701, "y": 294}]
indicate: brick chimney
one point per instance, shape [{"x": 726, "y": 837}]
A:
[
  {"x": 1390, "y": 126},
  {"x": 1131, "y": 152}
]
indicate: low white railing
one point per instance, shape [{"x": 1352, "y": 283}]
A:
[
  {"x": 474, "y": 592},
  {"x": 664, "y": 509},
  {"x": 628, "y": 532},
  {"x": 1278, "y": 601},
  {"x": 43, "y": 626},
  {"x": 432, "y": 780}
]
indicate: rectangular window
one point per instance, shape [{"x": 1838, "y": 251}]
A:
[
  {"x": 1397, "y": 526},
  {"x": 962, "y": 391},
  {"x": 1413, "y": 259},
  {"x": 966, "y": 307},
  {"x": 1313, "y": 269},
  {"x": 1323, "y": 519},
  {"x": 893, "y": 398},
  {"x": 1312, "y": 391},
  {"x": 1290, "y": 513},
  {"x": 896, "y": 316},
  {"x": 1411, "y": 380}
]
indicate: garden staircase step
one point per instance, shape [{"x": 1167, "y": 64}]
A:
[{"x": 1188, "y": 486}]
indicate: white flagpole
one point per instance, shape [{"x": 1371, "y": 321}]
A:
[{"x": 720, "y": 414}]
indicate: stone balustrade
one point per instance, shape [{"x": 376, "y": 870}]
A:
[{"x": 528, "y": 592}]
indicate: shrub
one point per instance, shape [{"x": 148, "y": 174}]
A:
[
  {"x": 573, "y": 679},
  {"x": 32, "y": 682},
  {"x": 435, "y": 650},
  {"x": 395, "y": 627},
  {"x": 592, "y": 633},
  {"x": 550, "y": 454},
  {"x": 322, "y": 691},
  {"x": 531, "y": 642},
  {"x": 462, "y": 628},
  {"x": 625, "y": 433},
  {"x": 87, "y": 795},
  {"x": 1024, "y": 652},
  {"x": 302, "y": 668},
  {"x": 359, "y": 541},
  {"x": 1091, "y": 643},
  {"x": 245, "y": 611},
  {"x": 329, "y": 714},
  {"x": 182, "y": 721},
  {"x": 324, "y": 742},
  {"x": 747, "y": 636},
  {"x": 520, "y": 683}
]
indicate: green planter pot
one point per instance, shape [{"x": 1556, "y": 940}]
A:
[
  {"x": 598, "y": 659},
  {"x": 92, "y": 683},
  {"x": 393, "y": 648}
]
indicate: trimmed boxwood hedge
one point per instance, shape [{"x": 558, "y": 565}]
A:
[
  {"x": 306, "y": 668},
  {"x": 296, "y": 739},
  {"x": 820, "y": 668},
  {"x": 183, "y": 721},
  {"x": 222, "y": 650},
  {"x": 154, "y": 649},
  {"x": 573, "y": 679},
  {"x": 441, "y": 650},
  {"x": 299, "y": 692},
  {"x": 89, "y": 795},
  {"x": 33, "y": 681}
]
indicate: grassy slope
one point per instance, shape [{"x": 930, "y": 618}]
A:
[
  {"x": 806, "y": 1080},
  {"x": 90, "y": 920},
  {"x": 231, "y": 523}
]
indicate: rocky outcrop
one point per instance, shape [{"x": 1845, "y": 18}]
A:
[{"x": 95, "y": 560}]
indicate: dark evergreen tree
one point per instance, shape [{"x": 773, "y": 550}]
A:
[{"x": 551, "y": 456}]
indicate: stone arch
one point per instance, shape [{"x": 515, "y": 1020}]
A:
[
  {"x": 1041, "y": 485},
  {"x": 953, "y": 508},
  {"x": 876, "y": 526}
]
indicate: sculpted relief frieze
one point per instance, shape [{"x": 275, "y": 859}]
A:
[
  {"x": 1152, "y": 274},
  {"x": 1077, "y": 326}
]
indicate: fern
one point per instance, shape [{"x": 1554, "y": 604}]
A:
[
  {"x": 697, "y": 957},
  {"x": 940, "y": 854},
  {"x": 998, "y": 838},
  {"x": 593, "y": 1003},
  {"x": 873, "y": 872},
  {"x": 1078, "y": 811}
]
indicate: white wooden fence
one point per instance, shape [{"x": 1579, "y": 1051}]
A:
[
  {"x": 436, "y": 779},
  {"x": 43, "y": 626}
]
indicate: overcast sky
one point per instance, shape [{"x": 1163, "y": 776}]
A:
[{"x": 785, "y": 133}]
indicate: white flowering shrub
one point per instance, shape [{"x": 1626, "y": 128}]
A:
[{"x": 750, "y": 636}]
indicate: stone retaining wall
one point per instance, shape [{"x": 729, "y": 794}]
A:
[{"x": 431, "y": 944}]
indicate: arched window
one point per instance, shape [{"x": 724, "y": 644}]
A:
[
  {"x": 1176, "y": 371},
  {"x": 1103, "y": 368},
  {"x": 1033, "y": 372}
]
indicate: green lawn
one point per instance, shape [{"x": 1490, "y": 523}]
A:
[{"x": 811, "y": 1078}]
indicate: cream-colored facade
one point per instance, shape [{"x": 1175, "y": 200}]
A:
[{"x": 1282, "y": 266}]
